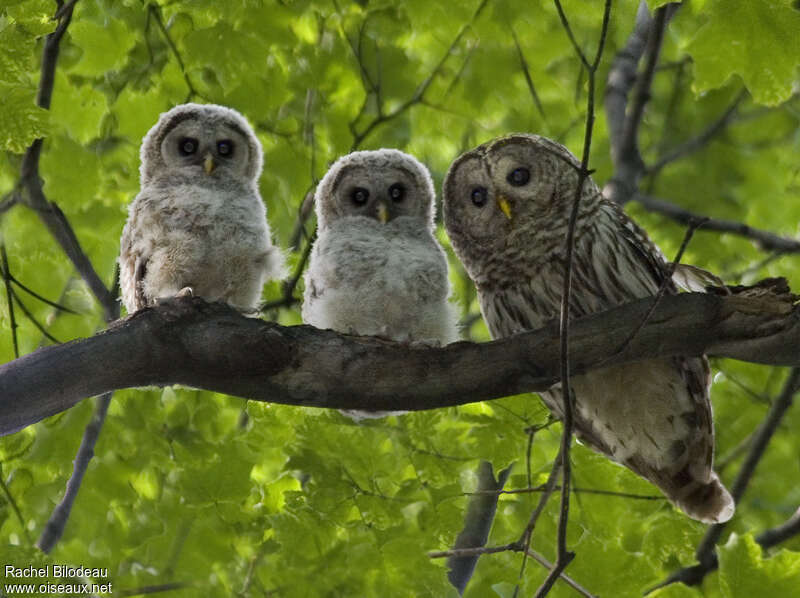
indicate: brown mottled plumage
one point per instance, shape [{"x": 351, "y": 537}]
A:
[{"x": 506, "y": 210}]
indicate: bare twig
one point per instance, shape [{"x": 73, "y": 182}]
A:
[
  {"x": 705, "y": 554},
  {"x": 288, "y": 299},
  {"x": 8, "y": 202},
  {"x": 36, "y": 295},
  {"x": 702, "y": 139},
  {"x": 563, "y": 556},
  {"x": 513, "y": 547},
  {"x": 39, "y": 326},
  {"x": 764, "y": 239},
  {"x": 574, "y": 490},
  {"x": 526, "y": 71},
  {"x": 419, "y": 93},
  {"x": 667, "y": 282},
  {"x": 155, "y": 11},
  {"x": 10, "y": 300},
  {"x": 13, "y": 504},
  {"x": 58, "y": 518}
]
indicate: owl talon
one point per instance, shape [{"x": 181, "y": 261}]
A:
[{"x": 185, "y": 292}]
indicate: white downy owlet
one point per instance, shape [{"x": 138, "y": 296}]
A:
[
  {"x": 198, "y": 224},
  {"x": 506, "y": 210},
  {"x": 376, "y": 267}
]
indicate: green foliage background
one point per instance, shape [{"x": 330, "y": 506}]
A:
[{"x": 247, "y": 499}]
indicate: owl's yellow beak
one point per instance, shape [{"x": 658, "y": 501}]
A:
[
  {"x": 504, "y": 206},
  {"x": 383, "y": 213},
  {"x": 208, "y": 164}
]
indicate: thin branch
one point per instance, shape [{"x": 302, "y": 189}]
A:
[
  {"x": 767, "y": 539},
  {"x": 776, "y": 535},
  {"x": 10, "y": 300},
  {"x": 8, "y": 202},
  {"x": 706, "y": 550},
  {"x": 667, "y": 282},
  {"x": 154, "y": 10},
  {"x": 763, "y": 239},
  {"x": 513, "y": 547},
  {"x": 563, "y": 556},
  {"x": 526, "y": 71},
  {"x": 36, "y": 295},
  {"x": 288, "y": 299},
  {"x": 574, "y": 490},
  {"x": 13, "y": 504},
  {"x": 525, "y": 540},
  {"x": 54, "y": 528},
  {"x": 702, "y": 139},
  {"x": 39, "y": 326},
  {"x": 419, "y": 93}
]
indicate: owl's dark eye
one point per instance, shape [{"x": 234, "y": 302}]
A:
[
  {"x": 397, "y": 192},
  {"x": 479, "y": 196},
  {"x": 519, "y": 176},
  {"x": 359, "y": 195},
  {"x": 187, "y": 146},
  {"x": 225, "y": 148}
]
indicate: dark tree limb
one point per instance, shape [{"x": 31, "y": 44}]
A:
[
  {"x": 477, "y": 524},
  {"x": 706, "y": 551},
  {"x": 620, "y": 81},
  {"x": 190, "y": 342}
]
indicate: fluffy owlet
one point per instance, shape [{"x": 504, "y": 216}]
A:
[
  {"x": 506, "y": 210},
  {"x": 376, "y": 267},
  {"x": 198, "y": 224}
]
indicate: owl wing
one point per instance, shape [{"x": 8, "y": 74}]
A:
[{"x": 133, "y": 258}]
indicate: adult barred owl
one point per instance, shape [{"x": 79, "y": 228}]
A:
[
  {"x": 198, "y": 224},
  {"x": 506, "y": 210}
]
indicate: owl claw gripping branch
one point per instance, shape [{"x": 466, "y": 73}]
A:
[{"x": 506, "y": 210}]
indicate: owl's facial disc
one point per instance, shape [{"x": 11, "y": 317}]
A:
[{"x": 381, "y": 193}]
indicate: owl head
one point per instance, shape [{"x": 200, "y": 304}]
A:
[
  {"x": 201, "y": 140},
  {"x": 381, "y": 184},
  {"x": 508, "y": 186}
]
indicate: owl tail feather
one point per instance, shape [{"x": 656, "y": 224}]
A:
[{"x": 709, "y": 502}]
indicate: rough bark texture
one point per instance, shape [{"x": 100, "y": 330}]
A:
[{"x": 190, "y": 342}]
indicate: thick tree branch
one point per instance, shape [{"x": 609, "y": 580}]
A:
[{"x": 187, "y": 341}]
